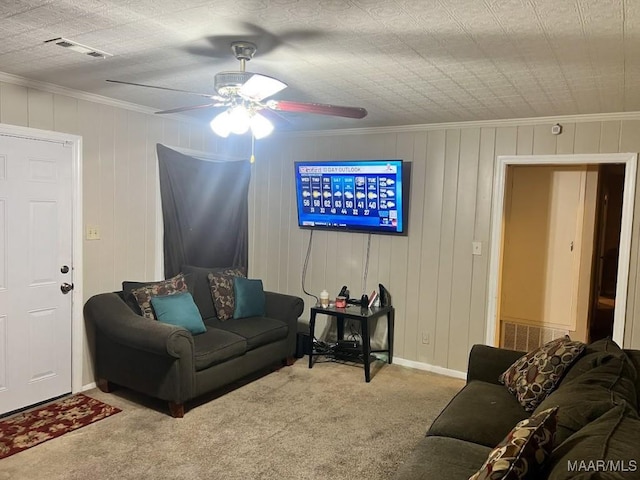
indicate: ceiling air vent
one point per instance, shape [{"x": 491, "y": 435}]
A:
[{"x": 78, "y": 47}]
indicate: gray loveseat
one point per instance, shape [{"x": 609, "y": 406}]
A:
[
  {"x": 169, "y": 363},
  {"x": 598, "y": 425}
]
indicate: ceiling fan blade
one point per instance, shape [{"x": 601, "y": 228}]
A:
[
  {"x": 276, "y": 118},
  {"x": 194, "y": 107},
  {"x": 259, "y": 87},
  {"x": 214, "y": 97},
  {"x": 319, "y": 108}
]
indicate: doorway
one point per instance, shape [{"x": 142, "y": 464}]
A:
[
  {"x": 41, "y": 330},
  {"x": 607, "y": 245},
  {"x": 629, "y": 161},
  {"x": 547, "y": 253}
]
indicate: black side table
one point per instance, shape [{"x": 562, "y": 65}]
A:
[{"x": 363, "y": 315}]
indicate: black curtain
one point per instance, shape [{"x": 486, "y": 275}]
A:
[{"x": 205, "y": 210}]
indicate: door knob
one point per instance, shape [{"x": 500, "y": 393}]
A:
[{"x": 66, "y": 287}]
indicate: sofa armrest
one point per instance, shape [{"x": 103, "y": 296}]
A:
[
  {"x": 488, "y": 363},
  {"x": 283, "y": 307},
  {"x": 287, "y": 308},
  {"x": 113, "y": 318}
]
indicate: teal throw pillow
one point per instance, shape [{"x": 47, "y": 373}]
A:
[
  {"x": 250, "y": 298},
  {"x": 179, "y": 309}
]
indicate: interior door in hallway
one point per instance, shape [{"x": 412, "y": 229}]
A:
[{"x": 35, "y": 264}]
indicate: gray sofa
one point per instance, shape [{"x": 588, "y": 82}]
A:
[
  {"x": 597, "y": 419},
  {"x": 169, "y": 363}
]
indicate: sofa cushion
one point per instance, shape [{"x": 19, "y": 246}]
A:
[
  {"x": 221, "y": 284},
  {"x": 197, "y": 279},
  {"x": 257, "y": 331},
  {"x": 592, "y": 356},
  {"x": 481, "y": 413},
  {"x": 634, "y": 359},
  {"x": 249, "y": 298},
  {"x": 143, "y": 292},
  {"x": 523, "y": 452},
  {"x": 216, "y": 346},
  {"x": 537, "y": 373},
  {"x": 606, "y": 448},
  {"x": 179, "y": 309},
  {"x": 442, "y": 457},
  {"x": 610, "y": 381}
]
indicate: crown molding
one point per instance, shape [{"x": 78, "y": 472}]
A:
[
  {"x": 81, "y": 95},
  {"x": 505, "y": 122}
]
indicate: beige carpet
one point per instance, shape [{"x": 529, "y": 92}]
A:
[{"x": 323, "y": 424}]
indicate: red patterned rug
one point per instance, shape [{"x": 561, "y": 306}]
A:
[{"x": 28, "y": 429}]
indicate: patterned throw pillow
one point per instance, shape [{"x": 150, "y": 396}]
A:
[
  {"x": 535, "y": 375},
  {"x": 523, "y": 451},
  {"x": 144, "y": 294},
  {"x": 221, "y": 284}
]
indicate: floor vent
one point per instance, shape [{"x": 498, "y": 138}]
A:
[{"x": 519, "y": 336}]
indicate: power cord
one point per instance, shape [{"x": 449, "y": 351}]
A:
[
  {"x": 354, "y": 335},
  {"x": 323, "y": 348},
  {"x": 304, "y": 269},
  {"x": 366, "y": 266}
]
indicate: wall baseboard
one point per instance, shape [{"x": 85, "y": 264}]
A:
[
  {"x": 88, "y": 386},
  {"x": 430, "y": 368}
]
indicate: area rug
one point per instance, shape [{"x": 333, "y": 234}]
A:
[{"x": 28, "y": 429}]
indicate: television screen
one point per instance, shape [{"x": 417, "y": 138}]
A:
[{"x": 353, "y": 195}]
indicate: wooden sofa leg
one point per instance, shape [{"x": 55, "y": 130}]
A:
[
  {"x": 289, "y": 361},
  {"x": 176, "y": 409},
  {"x": 105, "y": 385}
]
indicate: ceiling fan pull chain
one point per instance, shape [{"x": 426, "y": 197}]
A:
[{"x": 253, "y": 148}]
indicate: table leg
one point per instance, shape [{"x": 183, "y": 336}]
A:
[
  {"x": 312, "y": 328},
  {"x": 366, "y": 349},
  {"x": 390, "y": 325},
  {"x": 340, "y": 327}
]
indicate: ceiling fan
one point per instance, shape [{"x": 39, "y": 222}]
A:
[{"x": 243, "y": 95}]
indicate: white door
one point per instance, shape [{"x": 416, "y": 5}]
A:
[{"x": 35, "y": 253}]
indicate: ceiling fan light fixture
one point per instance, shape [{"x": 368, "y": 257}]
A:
[
  {"x": 221, "y": 125},
  {"x": 239, "y": 119},
  {"x": 260, "y": 126}
]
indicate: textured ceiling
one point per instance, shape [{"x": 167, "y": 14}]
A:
[{"x": 405, "y": 61}]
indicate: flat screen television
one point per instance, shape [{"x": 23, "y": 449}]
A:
[{"x": 370, "y": 196}]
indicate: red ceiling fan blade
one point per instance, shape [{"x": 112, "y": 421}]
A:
[
  {"x": 215, "y": 97},
  {"x": 276, "y": 118},
  {"x": 319, "y": 108},
  {"x": 194, "y": 107}
]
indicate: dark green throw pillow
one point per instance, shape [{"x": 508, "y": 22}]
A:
[
  {"x": 179, "y": 309},
  {"x": 249, "y": 298},
  {"x": 594, "y": 355},
  {"x": 606, "y": 448},
  {"x": 586, "y": 397}
]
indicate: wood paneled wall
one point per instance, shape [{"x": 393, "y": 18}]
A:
[{"x": 439, "y": 288}]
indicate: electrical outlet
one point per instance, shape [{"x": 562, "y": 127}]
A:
[
  {"x": 93, "y": 233},
  {"x": 426, "y": 338},
  {"x": 476, "y": 248}
]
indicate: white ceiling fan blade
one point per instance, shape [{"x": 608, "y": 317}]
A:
[{"x": 259, "y": 87}]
